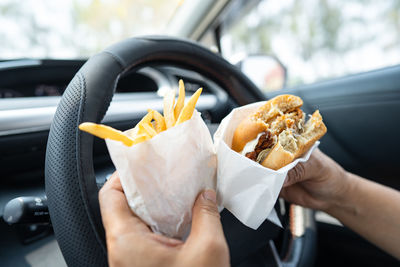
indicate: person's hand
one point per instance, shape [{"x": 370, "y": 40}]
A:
[
  {"x": 358, "y": 203},
  {"x": 130, "y": 242},
  {"x": 318, "y": 183}
]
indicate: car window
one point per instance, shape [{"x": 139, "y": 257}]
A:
[{"x": 317, "y": 39}]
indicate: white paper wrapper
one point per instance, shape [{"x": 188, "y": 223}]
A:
[
  {"x": 162, "y": 177},
  {"x": 247, "y": 189}
]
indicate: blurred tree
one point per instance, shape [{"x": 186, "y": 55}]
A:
[
  {"x": 76, "y": 28},
  {"x": 315, "y": 29},
  {"x": 110, "y": 21}
]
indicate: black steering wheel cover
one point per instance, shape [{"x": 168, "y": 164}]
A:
[{"x": 70, "y": 179}]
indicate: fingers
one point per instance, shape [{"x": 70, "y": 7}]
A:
[
  {"x": 299, "y": 195},
  {"x": 112, "y": 200},
  {"x": 294, "y": 194},
  {"x": 207, "y": 237},
  {"x": 116, "y": 215},
  {"x": 306, "y": 170},
  {"x": 295, "y": 175},
  {"x": 206, "y": 219},
  {"x": 205, "y": 212}
]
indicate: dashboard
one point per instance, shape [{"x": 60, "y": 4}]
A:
[
  {"x": 31, "y": 89},
  {"x": 37, "y": 78}
]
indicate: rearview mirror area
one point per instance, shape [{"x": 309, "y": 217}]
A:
[{"x": 267, "y": 72}]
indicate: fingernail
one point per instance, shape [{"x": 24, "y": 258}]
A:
[{"x": 210, "y": 195}]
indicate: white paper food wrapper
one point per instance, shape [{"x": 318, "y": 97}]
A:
[
  {"x": 244, "y": 187},
  {"x": 162, "y": 177}
]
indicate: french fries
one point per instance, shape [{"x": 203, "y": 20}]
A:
[
  {"x": 159, "y": 121},
  {"x": 169, "y": 102},
  {"x": 153, "y": 122},
  {"x": 181, "y": 99},
  {"x": 139, "y": 139},
  {"x": 104, "y": 131},
  {"x": 147, "y": 118},
  {"x": 188, "y": 109},
  {"x": 148, "y": 128}
]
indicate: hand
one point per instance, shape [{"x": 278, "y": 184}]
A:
[
  {"x": 130, "y": 242},
  {"x": 362, "y": 205},
  {"x": 318, "y": 183}
]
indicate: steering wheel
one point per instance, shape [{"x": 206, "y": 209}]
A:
[{"x": 71, "y": 186}]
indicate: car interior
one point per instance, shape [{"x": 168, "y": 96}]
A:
[{"x": 55, "y": 173}]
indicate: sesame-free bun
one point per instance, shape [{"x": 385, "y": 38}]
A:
[
  {"x": 282, "y": 117},
  {"x": 257, "y": 122},
  {"x": 247, "y": 130}
]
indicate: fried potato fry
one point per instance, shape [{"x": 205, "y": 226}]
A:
[
  {"x": 140, "y": 138},
  {"x": 188, "y": 109},
  {"x": 181, "y": 99},
  {"x": 147, "y": 118},
  {"x": 141, "y": 131},
  {"x": 135, "y": 131},
  {"x": 132, "y": 133},
  {"x": 159, "y": 120},
  {"x": 104, "y": 132},
  {"x": 148, "y": 128},
  {"x": 169, "y": 102}
]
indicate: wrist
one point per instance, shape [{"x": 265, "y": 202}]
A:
[{"x": 341, "y": 201}]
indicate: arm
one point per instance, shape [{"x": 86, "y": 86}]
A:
[
  {"x": 370, "y": 209},
  {"x": 373, "y": 211}
]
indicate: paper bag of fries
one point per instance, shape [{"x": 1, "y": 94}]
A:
[{"x": 164, "y": 162}]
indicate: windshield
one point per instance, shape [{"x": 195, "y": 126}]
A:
[{"x": 76, "y": 29}]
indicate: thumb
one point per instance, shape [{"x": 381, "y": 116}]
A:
[{"x": 205, "y": 219}]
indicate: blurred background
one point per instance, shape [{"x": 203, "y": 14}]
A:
[
  {"x": 76, "y": 29},
  {"x": 313, "y": 39},
  {"x": 320, "y": 39}
]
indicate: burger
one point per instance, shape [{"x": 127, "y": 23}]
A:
[{"x": 277, "y": 133}]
